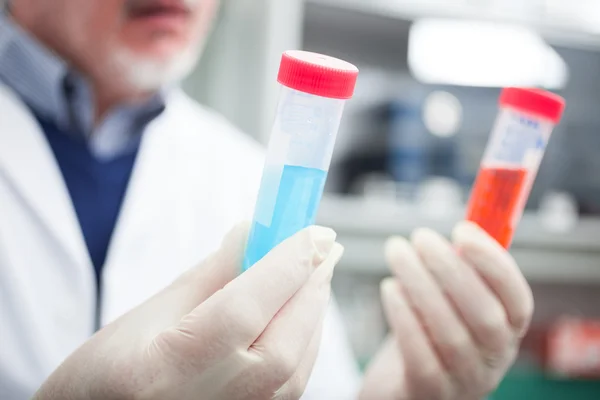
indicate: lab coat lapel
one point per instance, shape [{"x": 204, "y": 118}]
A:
[
  {"x": 156, "y": 237},
  {"x": 143, "y": 236},
  {"x": 148, "y": 187},
  {"x": 30, "y": 168}
]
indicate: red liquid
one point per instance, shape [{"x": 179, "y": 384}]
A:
[{"x": 496, "y": 201}]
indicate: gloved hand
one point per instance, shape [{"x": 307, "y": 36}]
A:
[
  {"x": 210, "y": 336},
  {"x": 457, "y": 313}
]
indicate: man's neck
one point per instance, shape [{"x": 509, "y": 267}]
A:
[{"x": 108, "y": 94}]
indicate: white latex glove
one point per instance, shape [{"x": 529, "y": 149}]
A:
[
  {"x": 457, "y": 313},
  {"x": 210, "y": 337}
]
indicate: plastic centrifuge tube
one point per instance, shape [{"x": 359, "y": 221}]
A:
[
  {"x": 512, "y": 159},
  {"x": 314, "y": 90}
]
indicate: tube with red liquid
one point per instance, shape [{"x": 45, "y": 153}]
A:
[{"x": 512, "y": 159}]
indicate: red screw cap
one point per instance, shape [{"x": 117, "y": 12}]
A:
[
  {"x": 317, "y": 74},
  {"x": 538, "y": 102}
]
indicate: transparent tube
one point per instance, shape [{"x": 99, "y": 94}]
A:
[
  {"x": 298, "y": 159},
  {"x": 507, "y": 173}
]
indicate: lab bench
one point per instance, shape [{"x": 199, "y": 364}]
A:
[{"x": 544, "y": 257}]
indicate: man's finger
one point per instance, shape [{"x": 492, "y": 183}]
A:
[
  {"x": 446, "y": 331},
  {"x": 499, "y": 270},
  {"x": 284, "y": 342},
  {"x": 295, "y": 386},
  {"x": 241, "y": 311},
  {"x": 275, "y": 382},
  {"x": 386, "y": 378},
  {"x": 196, "y": 285},
  {"x": 478, "y": 306},
  {"x": 425, "y": 374}
]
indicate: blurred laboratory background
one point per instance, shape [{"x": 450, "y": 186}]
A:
[{"x": 412, "y": 138}]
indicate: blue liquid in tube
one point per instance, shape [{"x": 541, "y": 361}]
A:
[{"x": 296, "y": 206}]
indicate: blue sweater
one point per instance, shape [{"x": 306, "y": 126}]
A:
[{"x": 97, "y": 188}]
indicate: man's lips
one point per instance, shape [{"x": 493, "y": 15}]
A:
[
  {"x": 158, "y": 8},
  {"x": 160, "y": 15}
]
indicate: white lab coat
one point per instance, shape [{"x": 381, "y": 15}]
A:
[{"x": 194, "y": 178}]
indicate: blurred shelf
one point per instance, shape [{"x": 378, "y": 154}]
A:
[
  {"x": 557, "y": 31},
  {"x": 363, "y": 226}
]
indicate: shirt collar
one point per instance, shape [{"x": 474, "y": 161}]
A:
[
  {"x": 32, "y": 70},
  {"x": 54, "y": 91}
]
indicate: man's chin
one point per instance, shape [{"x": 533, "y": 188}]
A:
[{"x": 144, "y": 73}]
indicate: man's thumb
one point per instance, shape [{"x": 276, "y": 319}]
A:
[{"x": 167, "y": 307}]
